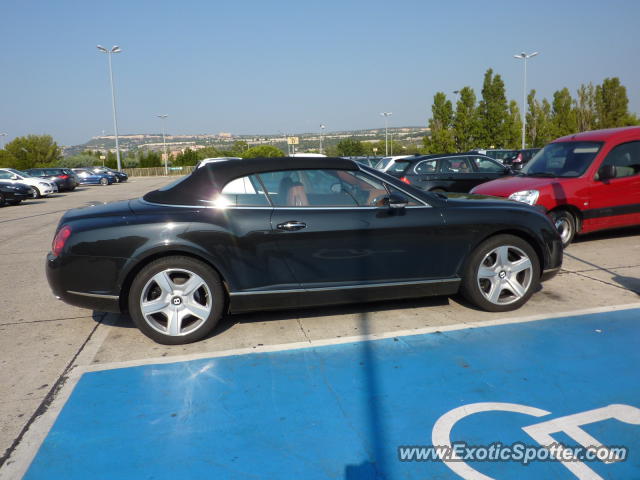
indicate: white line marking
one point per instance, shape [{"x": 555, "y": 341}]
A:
[{"x": 17, "y": 465}]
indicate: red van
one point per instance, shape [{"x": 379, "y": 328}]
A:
[{"x": 585, "y": 182}]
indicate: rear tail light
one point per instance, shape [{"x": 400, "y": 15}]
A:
[
  {"x": 60, "y": 239},
  {"x": 64, "y": 177},
  {"x": 405, "y": 180}
]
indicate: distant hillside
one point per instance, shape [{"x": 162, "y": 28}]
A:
[{"x": 308, "y": 141}]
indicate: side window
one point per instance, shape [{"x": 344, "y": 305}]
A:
[
  {"x": 308, "y": 188},
  {"x": 243, "y": 192},
  {"x": 626, "y": 159},
  {"x": 455, "y": 165},
  {"x": 425, "y": 167},
  {"x": 486, "y": 165},
  {"x": 6, "y": 175}
]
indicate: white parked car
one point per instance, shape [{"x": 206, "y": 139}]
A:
[
  {"x": 386, "y": 163},
  {"x": 40, "y": 187}
]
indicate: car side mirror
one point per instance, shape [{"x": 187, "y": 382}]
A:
[
  {"x": 393, "y": 200},
  {"x": 607, "y": 172},
  {"x": 14, "y": 177}
]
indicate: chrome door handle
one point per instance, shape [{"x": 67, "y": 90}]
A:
[{"x": 292, "y": 226}]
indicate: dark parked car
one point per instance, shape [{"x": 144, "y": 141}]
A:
[
  {"x": 272, "y": 233},
  {"x": 520, "y": 158},
  {"x": 498, "y": 154},
  {"x": 64, "y": 178},
  {"x": 458, "y": 172},
  {"x": 14, "y": 193},
  {"x": 117, "y": 176},
  {"x": 88, "y": 177}
]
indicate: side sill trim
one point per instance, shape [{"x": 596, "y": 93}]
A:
[
  {"x": 348, "y": 287},
  {"x": 94, "y": 295}
]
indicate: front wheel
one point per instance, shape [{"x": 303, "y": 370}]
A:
[
  {"x": 502, "y": 273},
  {"x": 565, "y": 223},
  {"x": 35, "y": 192},
  {"x": 104, "y": 181},
  {"x": 176, "y": 300}
]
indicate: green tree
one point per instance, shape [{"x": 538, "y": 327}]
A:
[
  {"x": 349, "y": 147},
  {"x": 34, "y": 151},
  {"x": 563, "y": 116},
  {"x": 513, "y": 127},
  {"x": 612, "y": 104},
  {"x": 208, "y": 152},
  {"x": 187, "y": 158},
  {"x": 150, "y": 159},
  {"x": 262, "y": 151},
  {"x": 539, "y": 125},
  {"x": 492, "y": 111},
  {"x": 7, "y": 160},
  {"x": 77, "y": 161},
  {"x": 441, "y": 139},
  {"x": 584, "y": 107},
  {"x": 465, "y": 121}
]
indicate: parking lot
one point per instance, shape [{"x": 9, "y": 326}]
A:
[{"x": 45, "y": 343}]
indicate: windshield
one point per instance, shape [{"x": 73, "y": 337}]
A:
[
  {"x": 19, "y": 173},
  {"x": 562, "y": 159},
  {"x": 399, "y": 166},
  {"x": 382, "y": 164}
]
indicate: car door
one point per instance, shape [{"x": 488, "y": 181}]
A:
[
  {"x": 615, "y": 202},
  {"x": 458, "y": 172},
  {"x": 334, "y": 236},
  {"x": 485, "y": 170}
]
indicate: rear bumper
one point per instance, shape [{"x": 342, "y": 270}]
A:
[{"x": 69, "y": 285}]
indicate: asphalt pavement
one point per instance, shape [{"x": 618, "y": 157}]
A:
[{"x": 44, "y": 341}]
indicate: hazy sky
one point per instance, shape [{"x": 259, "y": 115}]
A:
[{"x": 287, "y": 66}]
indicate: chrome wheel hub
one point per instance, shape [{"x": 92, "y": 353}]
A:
[
  {"x": 176, "y": 302},
  {"x": 564, "y": 229},
  {"x": 505, "y": 275}
]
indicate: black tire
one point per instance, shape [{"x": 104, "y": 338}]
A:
[
  {"x": 156, "y": 325},
  {"x": 36, "y": 193},
  {"x": 104, "y": 181},
  {"x": 2, "y": 200},
  {"x": 477, "y": 289},
  {"x": 565, "y": 223}
]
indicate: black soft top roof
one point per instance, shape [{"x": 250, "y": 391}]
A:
[{"x": 211, "y": 178}]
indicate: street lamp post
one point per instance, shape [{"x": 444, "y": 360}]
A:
[
  {"x": 113, "y": 50},
  {"x": 386, "y": 116},
  {"x": 163, "y": 117},
  {"x": 322, "y": 127},
  {"x": 525, "y": 57},
  {"x": 2, "y": 135}
]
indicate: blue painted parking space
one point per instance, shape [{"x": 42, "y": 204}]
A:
[{"x": 343, "y": 411}]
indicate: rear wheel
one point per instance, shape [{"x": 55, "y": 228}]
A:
[
  {"x": 176, "y": 300},
  {"x": 502, "y": 273},
  {"x": 565, "y": 223},
  {"x": 104, "y": 181}
]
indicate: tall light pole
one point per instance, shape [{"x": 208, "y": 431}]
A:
[
  {"x": 386, "y": 116},
  {"x": 2, "y": 135},
  {"x": 322, "y": 127},
  {"x": 113, "y": 50},
  {"x": 525, "y": 57},
  {"x": 163, "y": 117}
]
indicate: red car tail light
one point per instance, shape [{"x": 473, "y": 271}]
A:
[
  {"x": 60, "y": 239},
  {"x": 405, "y": 180},
  {"x": 64, "y": 177}
]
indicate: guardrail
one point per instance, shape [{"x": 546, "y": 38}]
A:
[{"x": 157, "y": 171}]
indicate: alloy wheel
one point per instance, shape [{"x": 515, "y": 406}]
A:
[
  {"x": 176, "y": 302},
  {"x": 505, "y": 275}
]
